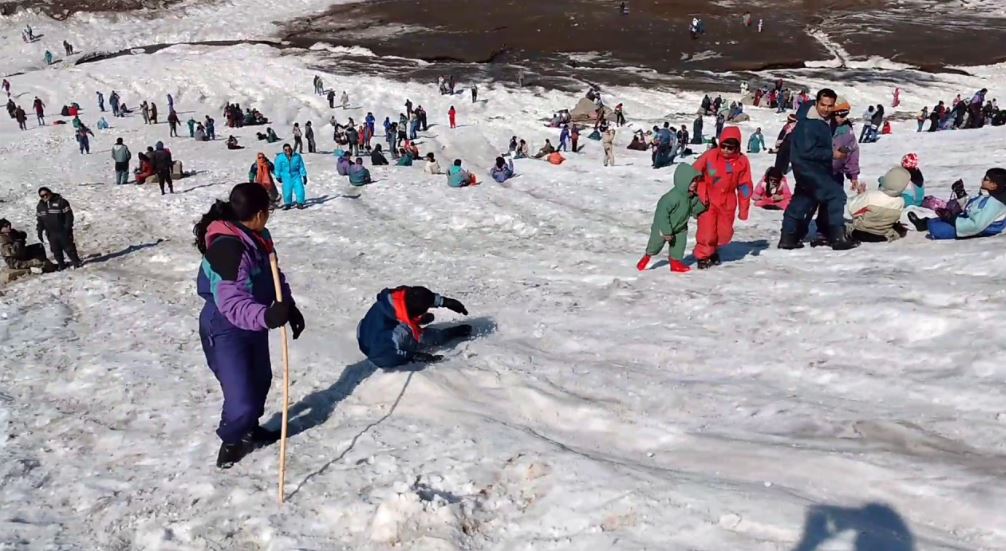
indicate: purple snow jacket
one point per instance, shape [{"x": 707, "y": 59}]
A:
[
  {"x": 844, "y": 136},
  {"x": 235, "y": 278}
]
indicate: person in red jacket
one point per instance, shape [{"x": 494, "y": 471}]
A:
[
  {"x": 727, "y": 177},
  {"x": 453, "y": 115}
]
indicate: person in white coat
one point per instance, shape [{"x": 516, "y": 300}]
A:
[{"x": 432, "y": 166}]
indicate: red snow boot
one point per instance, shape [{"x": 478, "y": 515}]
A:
[
  {"x": 679, "y": 267},
  {"x": 643, "y": 263}
]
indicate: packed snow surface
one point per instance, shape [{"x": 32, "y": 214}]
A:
[{"x": 796, "y": 401}]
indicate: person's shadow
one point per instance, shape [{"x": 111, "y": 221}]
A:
[{"x": 877, "y": 526}]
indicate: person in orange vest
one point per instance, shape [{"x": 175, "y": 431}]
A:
[{"x": 728, "y": 187}]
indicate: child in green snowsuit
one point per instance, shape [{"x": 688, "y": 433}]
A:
[{"x": 670, "y": 221}]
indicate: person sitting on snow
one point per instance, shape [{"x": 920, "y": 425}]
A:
[
  {"x": 503, "y": 170},
  {"x": 232, "y": 143},
  {"x": 876, "y": 214},
  {"x": 670, "y": 220},
  {"x": 16, "y": 252},
  {"x": 359, "y": 175},
  {"x": 916, "y": 191},
  {"x": 773, "y": 192},
  {"x": 432, "y": 166},
  {"x": 546, "y": 149},
  {"x": 377, "y": 157},
  {"x": 395, "y": 328},
  {"x": 270, "y": 136},
  {"x": 556, "y": 158},
  {"x": 343, "y": 164},
  {"x": 404, "y": 159},
  {"x": 522, "y": 151},
  {"x": 459, "y": 177},
  {"x": 982, "y": 216}
]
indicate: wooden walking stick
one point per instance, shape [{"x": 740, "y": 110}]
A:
[{"x": 274, "y": 264}]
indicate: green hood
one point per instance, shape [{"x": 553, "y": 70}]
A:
[{"x": 683, "y": 176}]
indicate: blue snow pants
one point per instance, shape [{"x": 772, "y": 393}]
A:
[{"x": 240, "y": 361}]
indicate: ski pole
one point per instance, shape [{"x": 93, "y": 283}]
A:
[{"x": 274, "y": 264}]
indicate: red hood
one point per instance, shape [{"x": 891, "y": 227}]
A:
[{"x": 731, "y": 133}]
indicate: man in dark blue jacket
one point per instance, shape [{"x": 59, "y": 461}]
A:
[
  {"x": 812, "y": 155},
  {"x": 392, "y": 332}
]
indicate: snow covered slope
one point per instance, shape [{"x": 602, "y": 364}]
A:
[{"x": 756, "y": 406}]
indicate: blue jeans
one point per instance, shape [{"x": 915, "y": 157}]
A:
[{"x": 121, "y": 176}]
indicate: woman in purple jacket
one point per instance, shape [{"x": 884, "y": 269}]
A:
[{"x": 236, "y": 281}]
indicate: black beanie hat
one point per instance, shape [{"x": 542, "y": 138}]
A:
[
  {"x": 418, "y": 300},
  {"x": 4, "y": 223}
]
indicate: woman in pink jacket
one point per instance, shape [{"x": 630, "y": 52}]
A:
[{"x": 773, "y": 191}]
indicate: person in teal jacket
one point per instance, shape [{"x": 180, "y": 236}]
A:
[
  {"x": 756, "y": 142},
  {"x": 291, "y": 172},
  {"x": 981, "y": 216},
  {"x": 459, "y": 177},
  {"x": 358, "y": 174},
  {"x": 405, "y": 159}
]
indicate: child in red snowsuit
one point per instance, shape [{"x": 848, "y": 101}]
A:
[
  {"x": 727, "y": 186},
  {"x": 453, "y": 116}
]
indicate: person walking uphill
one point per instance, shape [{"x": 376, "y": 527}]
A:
[
  {"x": 392, "y": 332},
  {"x": 55, "y": 222},
  {"x": 727, "y": 192},
  {"x": 670, "y": 220},
  {"x": 812, "y": 155},
  {"x": 291, "y": 172},
  {"x": 236, "y": 283}
]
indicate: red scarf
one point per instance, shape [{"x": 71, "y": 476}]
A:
[{"x": 402, "y": 313}]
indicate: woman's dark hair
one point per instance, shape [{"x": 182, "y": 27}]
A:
[
  {"x": 997, "y": 175},
  {"x": 246, "y": 200},
  {"x": 457, "y": 162},
  {"x": 500, "y": 162}
]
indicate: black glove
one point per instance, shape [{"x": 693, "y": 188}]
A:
[
  {"x": 454, "y": 305},
  {"x": 277, "y": 315},
  {"x": 426, "y": 318},
  {"x": 296, "y": 321},
  {"x": 958, "y": 189},
  {"x": 427, "y": 358}
]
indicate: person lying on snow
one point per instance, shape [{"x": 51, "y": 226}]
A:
[
  {"x": 981, "y": 216},
  {"x": 670, "y": 220},
  {"x": 393, "y": 331},
  {"x": 773, "y": 192},
  {"x": 876, "y": 214},
  {"x": 459, "y": 177},
  {"x": 503, "y": 170}
]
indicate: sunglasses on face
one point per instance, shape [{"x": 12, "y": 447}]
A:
[
  {"x": 46, "y": 195},
  {"x": 841, "y": 114}
]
